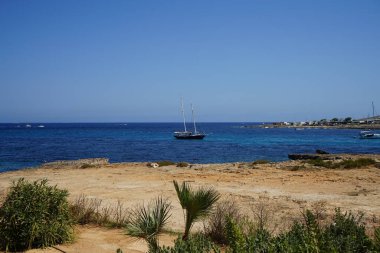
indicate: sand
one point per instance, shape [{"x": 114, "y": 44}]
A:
[{"x": 285, "y": 193}]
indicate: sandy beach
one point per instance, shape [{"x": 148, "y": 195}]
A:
[{"x": 284, "y": 188}]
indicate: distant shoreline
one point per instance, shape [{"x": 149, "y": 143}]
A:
[{"x": 348, "y": 126}]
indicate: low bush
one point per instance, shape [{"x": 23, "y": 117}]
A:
[
  {"x": 321, "y": 163},
  {"x": 197, "y": 243},
  {"x": 34, "y": 215},
  {"x": 165, "y": 163},
  {"x": 347, "y": 233},
  {"x": 361, "y": 162},
  {"x": 345, "y": 164},
  {"x": 235, "y": 236},
  {"x": 297, "y": 168},
  {"x": 182, "y": 164},
  {"x": 87, "y": 165},
  {"x": 215, "y": 225}
]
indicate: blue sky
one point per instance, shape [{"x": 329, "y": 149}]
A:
[{"x": 131, "y": 61}]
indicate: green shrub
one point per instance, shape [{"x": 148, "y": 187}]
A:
[
  {"x": 197, "y": 243},
  {"x": 347, "y": 233},
  {"x": 235, "y": 236},
  {"x": 165, "y": 163},
  {"x": 34, "y": 215},
  {"x": 182, "y": 164},
  {"x": 215, "y": 225},
  {"x": 361, "y": 162},
  {"x": 376, "y": 240},
  {"x": 302, "y": 237},
  {"x": 321, "y": 163},
  {"x": 259, "y": 241}
]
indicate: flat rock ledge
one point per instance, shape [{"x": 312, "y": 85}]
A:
[{"x": 81, "y": 163}]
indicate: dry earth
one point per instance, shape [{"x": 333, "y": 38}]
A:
[{"x": 280, "y": 187}]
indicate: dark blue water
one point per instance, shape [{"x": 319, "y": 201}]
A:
[{"x": 226, "y": 142}]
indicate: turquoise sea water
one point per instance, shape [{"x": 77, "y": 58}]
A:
[{"x": 22, "y": 146}]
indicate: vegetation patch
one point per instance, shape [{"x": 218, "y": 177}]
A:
[
  {"x": 297, "y": 168},
  {"x": 87, "y": 165},
  {"x": 91, "y": 211},
  {"x": 260, "y": 162},
  {"x": 346, "y": 233},
  {"x": 194, "y": 244},
  {"x": 228, "y": 231},
  {"x": 34, "y": 215},
  {"x": 165, "y": 163},
  {"x": 182, "y": 164},
  {"x": 148, "y": 222},
  {"x": 345, "y": 164},
  {"x": 215, "y": 225}
]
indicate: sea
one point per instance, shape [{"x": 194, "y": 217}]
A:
[{"x": 29, "y": 145}]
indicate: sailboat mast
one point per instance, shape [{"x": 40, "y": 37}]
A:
[
  {"x": 373, "y": 109},
  {"x": 192, "y": 115},
  {"x": 183, "y": 114}
]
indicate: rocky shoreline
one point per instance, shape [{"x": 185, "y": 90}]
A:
[{"x": 355, "y": 126}]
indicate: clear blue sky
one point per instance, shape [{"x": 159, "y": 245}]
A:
[{"x": 132, "y": 60}]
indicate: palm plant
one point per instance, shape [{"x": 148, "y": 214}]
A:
[
  {"x": 196, "y": 204},
  {"x": 147, "y": 222}
]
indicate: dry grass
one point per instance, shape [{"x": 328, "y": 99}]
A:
[{"x": 87, "y": 210}]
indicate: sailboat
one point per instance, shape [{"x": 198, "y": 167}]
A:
[{"x": 188, "y": 135}]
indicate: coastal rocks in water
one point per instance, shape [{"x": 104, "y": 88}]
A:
[
  {"x": 303, "y": 157},
  {"x": 321, "y": 152},
  {"x": 315, "y": 157}
]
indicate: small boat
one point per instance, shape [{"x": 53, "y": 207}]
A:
[
  {"x": 369, "y": 135},
  {"x": 28, "y": 126},
  {"x": 188, "y": 135},
  {"x": 41, "y": 126}
]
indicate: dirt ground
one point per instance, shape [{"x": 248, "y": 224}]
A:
[{"x": 285, "y": 188}]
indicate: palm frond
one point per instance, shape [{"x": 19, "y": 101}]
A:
[
  {"x": 197, "y": 204},
  {"x": 148, "y": 221},
  {"x": 183, "y": 192}
]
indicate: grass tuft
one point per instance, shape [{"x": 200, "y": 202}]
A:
[{"x": 86, "y": 210}]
